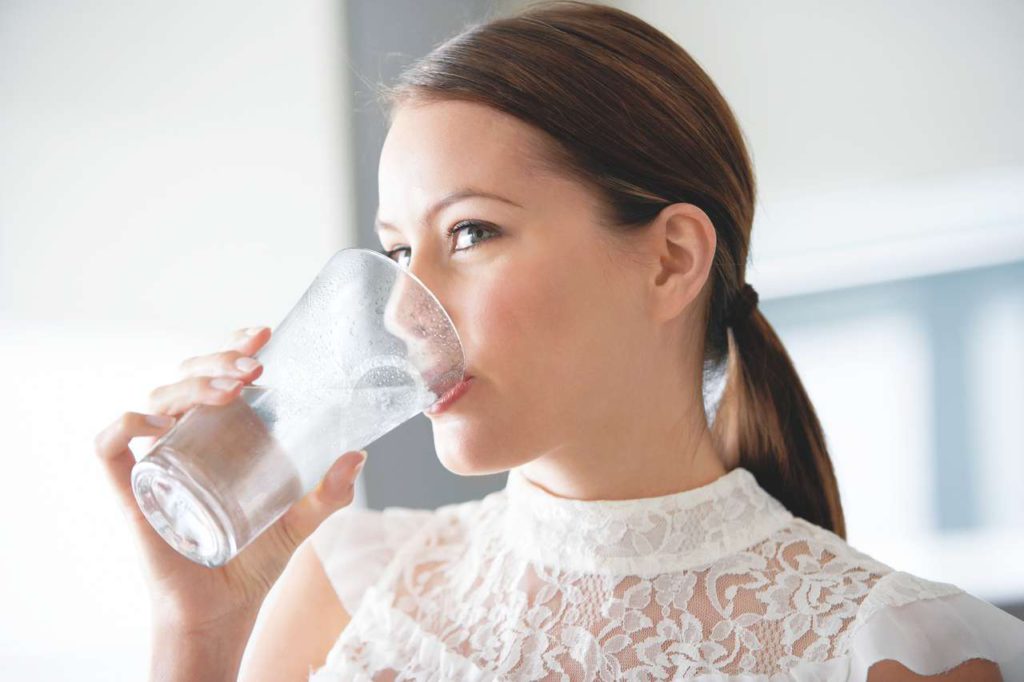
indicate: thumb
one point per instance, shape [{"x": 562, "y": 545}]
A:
[
  {"x": 336, "y": 487},
  {"x": 335, "y": 490}
]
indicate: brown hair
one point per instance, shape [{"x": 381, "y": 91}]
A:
[{"x": 633, "y": 116}]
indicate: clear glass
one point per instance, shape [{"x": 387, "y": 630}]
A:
[{"x": 367, "y": 347}]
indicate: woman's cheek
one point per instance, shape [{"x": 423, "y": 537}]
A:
[{"x": 527, "y": 327}]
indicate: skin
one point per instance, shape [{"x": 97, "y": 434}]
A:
[{"x": 586, "y": 349}]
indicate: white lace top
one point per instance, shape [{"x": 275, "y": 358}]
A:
[{"x": 719, "y": 583}]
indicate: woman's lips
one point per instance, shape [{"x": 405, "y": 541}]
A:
[{"x": 453, "y": 394}]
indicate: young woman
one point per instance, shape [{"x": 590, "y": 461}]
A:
[{"x": 577, "y": 193}]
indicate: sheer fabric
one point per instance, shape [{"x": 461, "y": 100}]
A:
[{"x": 718, "y": 584}]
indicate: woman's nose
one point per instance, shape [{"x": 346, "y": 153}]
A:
[
  {"x": 416, "y": 312},
  {"x": 410, "y": 312}
]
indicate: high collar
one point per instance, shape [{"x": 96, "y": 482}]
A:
[{"x": 643, "y": 536}]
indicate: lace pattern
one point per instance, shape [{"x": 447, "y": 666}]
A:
[{"x": 713, "y": 582}]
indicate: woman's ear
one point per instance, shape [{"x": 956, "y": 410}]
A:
[{"x": 681, "y": 241}]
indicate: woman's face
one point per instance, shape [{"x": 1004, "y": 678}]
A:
[{"x": 551, "y": 318}]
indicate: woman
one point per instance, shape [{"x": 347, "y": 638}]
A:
[{"x": 577, "y": 193}]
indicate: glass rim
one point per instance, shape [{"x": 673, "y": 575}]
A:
[{"x": 391, "y": 261}]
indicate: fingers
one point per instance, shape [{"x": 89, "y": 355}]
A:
[
  {"x": 230, "y": 363},
  {"x": 215, "y": 378},
  {"x": 117, "y": 458},
  {"x": 177, "y": 398},
  {"x": 337, "y": 487},
  {"x": 336, "y": 490}
]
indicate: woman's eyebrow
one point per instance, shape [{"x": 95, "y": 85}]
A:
[{"x": 458, "y": 195}]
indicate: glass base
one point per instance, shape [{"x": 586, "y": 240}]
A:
[{"x": 187, "y": 518}]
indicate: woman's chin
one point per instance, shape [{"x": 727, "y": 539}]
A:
[
  {"x": 463, "y": 457},
  {"x": 467, "y": 462}
]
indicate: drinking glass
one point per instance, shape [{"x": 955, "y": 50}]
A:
[{"x": 367, "y": 347}]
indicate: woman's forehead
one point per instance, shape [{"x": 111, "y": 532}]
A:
[{"x": 454, "y": 143}]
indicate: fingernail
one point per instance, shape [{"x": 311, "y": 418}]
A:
[
  {"x": 253, "y": 331},
  {"x": 160, "y": 420},
  {"x": 359, "y": 466},
  {"x": 224, "y": 384},
  {"x": 339, "y": 475},
  {"x": 246, "y": 364}
]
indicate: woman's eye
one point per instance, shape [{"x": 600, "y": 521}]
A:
[
  {"x": 471, "y": 228},
  {"x": 468, "y": 227},
  {"x": 391, "y": 254}
]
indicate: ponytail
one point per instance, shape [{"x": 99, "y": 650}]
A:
[{"x": 766, "y": 424}]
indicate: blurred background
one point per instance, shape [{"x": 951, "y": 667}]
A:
[{"x": 170, "y": 172}]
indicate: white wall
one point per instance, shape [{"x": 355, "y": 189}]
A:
[
  {"x": 169, "y": 172},
  {"x": 874, "y": 91},
  {"x": 881, "y": 132}
]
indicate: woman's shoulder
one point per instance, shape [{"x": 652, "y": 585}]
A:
[
  {"x": 394, "y": 525},
  {"x": 363, "y": 527},
  {"x": 873, "y": 583},
  {"x": 807, "y": 547},
  {"x": 357, "y": 546},
  {"x": 375, "y": 535},
  {"x": 927, "y": 625},
  {"x": 932, "y": 626}
]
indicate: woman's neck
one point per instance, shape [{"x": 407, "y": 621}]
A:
[{"x": 642, "y": 455}]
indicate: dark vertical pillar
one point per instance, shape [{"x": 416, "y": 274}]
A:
[{"x": 384, "y": 36}]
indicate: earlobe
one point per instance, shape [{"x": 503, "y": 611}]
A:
[{"x": 684, "y": 240}]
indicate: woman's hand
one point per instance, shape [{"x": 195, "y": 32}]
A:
[{"x": 185, "y": 594}]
